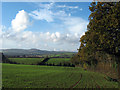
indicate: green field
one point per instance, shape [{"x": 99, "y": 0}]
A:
[
  {"x": 57, "y": 61},
  {"x": 26, "y": 61},
  {"x": 35, "y": 76},
  {"x": 62, "y": 55},
  {"x": 34, "y": 61}
]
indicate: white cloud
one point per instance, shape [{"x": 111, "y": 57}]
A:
[
  {"x": 0, "y": 31},
  {"x": 57, "y": 34},
  {"x": 69, "y": 7},
  {"x": 53, "y": 35},
  {"x": 47, "y": 40},
  {"x": 59, "y": 14},
  {"x": 54, "y": 49},
  {"x": 75, "y": 24},
  {"x": 21, "y": 21},
  {"x": 47, "y": 6},
  {"x": 0, "y": 43},
  {"x": 2, "y": 27},
  {"x": 48, "y": 33},
  {"x": 81, "y": 9},
  {"x": 42, "y": 14},
  {"x": 48, "y": 15},
  {"x": 46, "y": 45},
  {"x": 73, "y": 29},
  {"x": 82, "y": 34},
  {"x": 69, "y": 14}
]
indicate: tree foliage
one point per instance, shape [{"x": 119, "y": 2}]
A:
[{"x": 103, "y": 31}]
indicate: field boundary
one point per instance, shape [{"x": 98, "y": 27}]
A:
[{"x": 44, "y": 61}]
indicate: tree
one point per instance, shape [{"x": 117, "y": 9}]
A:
[
  {"x": 103, "y": 30},
  {"x": 101, "y": 42}
]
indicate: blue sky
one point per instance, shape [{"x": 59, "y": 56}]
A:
[{"x": 54, "y": 26}]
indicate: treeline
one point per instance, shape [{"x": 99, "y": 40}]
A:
[
  {"x": 101, "y": 42},
  {"x": 67, "y": 64},
  {"x": 4, "y": 59}
]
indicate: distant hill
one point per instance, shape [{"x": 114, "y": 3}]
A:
[{"x": 18, "y": 52}]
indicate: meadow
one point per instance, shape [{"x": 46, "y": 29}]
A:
[
  {"x": 38, "y": 76},
  {"x": 57, "y": 61},
  {"x": 34, "y": 61},
  {"x": 27, "y": 61}
]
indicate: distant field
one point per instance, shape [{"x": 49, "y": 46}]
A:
[
  {"x": 34, "y": 76},
  {"x": 27, "y": 61},
  {"x": 57, "y": 61},
  {"x": 62, "y": 55}
]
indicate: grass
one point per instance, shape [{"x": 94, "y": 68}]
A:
[
  {"x": 57, "y": 61},
  {"x": 62, "y": 55},
  {"x": 29, "y": 61},
  {"x": 26, "y": 61},
  {"x": 35, "y": 76}
]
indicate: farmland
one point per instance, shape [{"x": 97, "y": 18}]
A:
[
  {"x": 60, "y": 45},
  {"x": 35, "y": 61},
  {"x": 57, "y": 61},
  {"x": 36, "y": 76},
  {"x": 26, "y": 61}
]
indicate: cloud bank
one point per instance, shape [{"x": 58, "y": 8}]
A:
[{"x": 73, "y": 28}]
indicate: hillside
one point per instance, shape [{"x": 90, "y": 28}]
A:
[{"x": 18, "y": 52}]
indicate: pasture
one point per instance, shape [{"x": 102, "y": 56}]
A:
[
  {"x": 34, "y": 61},
  {"x": 27, "y": 61},
  {"x": 57, "y": 61},
  {"x": 35, "y": 76}
]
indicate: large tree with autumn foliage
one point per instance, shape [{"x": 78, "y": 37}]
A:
[{"x": 103, "y": 31}]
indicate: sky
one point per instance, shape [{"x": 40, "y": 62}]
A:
[{"x": 53, "y": 26}]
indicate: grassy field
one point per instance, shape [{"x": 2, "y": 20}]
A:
[
  {"x": 29, "y": 61},
  {"x": 57, "y": 61},
  {"x": 35, "y": 76},
  {"x": 62, "y": 55},
  {"x": 26, "y": 61}
]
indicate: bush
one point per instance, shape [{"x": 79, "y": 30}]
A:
[{"x": 75, "y": 59}]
